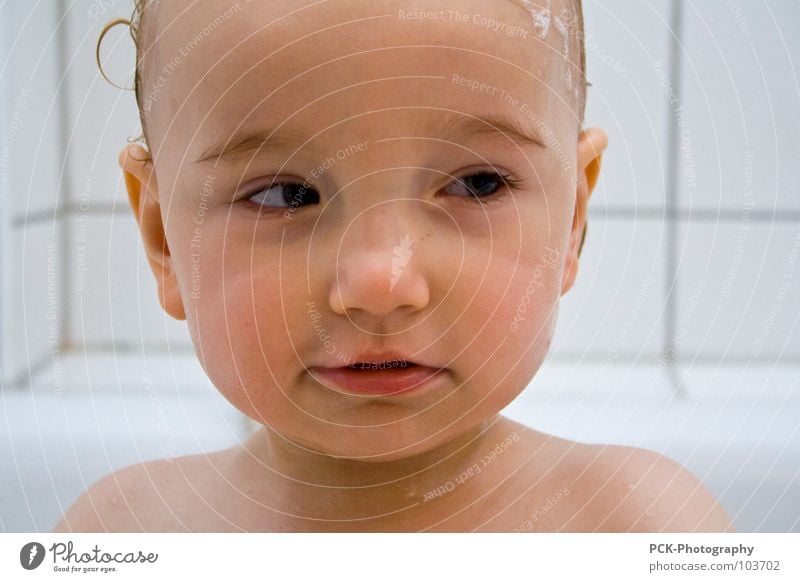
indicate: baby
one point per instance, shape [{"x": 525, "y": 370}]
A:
[{"x": 314, "y": 202}]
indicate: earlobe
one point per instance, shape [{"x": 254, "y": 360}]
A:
[
  {"x": 591, "y": 145},
  {"x": 142, "y": 188}
]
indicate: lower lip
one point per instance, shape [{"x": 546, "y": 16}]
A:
[{"x": 390, "y": 382}]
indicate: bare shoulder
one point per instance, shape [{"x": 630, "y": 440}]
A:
[
  {"x": 580, "y": 487},
  {"x": 145, "y": 497},
  {"x": 123, "y": 501},
  {"x": 637, "y": 490}
]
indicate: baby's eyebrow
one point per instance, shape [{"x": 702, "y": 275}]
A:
[
  {"x": 464, "y": 127},
  {"x": 261, "y": 140},
  {"x": 456, "y": 129}
]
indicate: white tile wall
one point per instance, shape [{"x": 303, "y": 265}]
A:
[
  {"x": 626, "y": 98},
  {"x": 741, "y": 94},
  {"x": 32, "y": 74},
  {"x": 101, "y": 117},
  {"x": 6, "y": 91},
  {"x": 739, "y": 290},
  {"x": 30, "y": 173},
  {"x": 113, "y": 298},
  {"x": 113, "y": 295},
  {"x": 32, "y": 277},
  {"x": 614, "y": 310}
]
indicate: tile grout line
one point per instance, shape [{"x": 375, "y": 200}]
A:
[
  {"x": 670, "y": 347},
  {"x": 5, "y": 223},
  {"x": 66, "y": 177}
]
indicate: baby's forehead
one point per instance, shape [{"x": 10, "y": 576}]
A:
[
  {"x": 215, "y": 27},
  {"x": 323, "y": 48}
]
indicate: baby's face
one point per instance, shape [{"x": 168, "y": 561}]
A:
[{"x": 357, "y": 228}]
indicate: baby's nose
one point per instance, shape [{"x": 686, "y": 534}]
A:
[{"x": 378, "y": 266}]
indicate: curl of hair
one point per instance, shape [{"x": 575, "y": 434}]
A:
[{"x": 133, "y": 24}]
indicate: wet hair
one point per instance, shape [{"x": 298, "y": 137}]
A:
[
  {"x": 140, "y": 35},
  {"x": 141, "y": 29}
]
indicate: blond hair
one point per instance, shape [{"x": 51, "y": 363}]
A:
[{"x": 134, "y": 24}]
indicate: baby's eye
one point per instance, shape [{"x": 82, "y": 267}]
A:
[
  {"x": 283, "y": 195},
  {"x": 480, "y": 184}
]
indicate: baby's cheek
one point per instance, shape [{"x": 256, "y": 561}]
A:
[
  {"x": 526, "y": 316},
  {"x": 506, "y": 330},
  {"x": 240, "y": 337}
]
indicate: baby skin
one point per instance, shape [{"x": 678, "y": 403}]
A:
[
  {"x": 502, "y": 477},
  {"x": 315, "y": 195}
]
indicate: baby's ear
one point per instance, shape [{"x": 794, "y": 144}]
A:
[
  {"x": 140, "y": 181},
  {"x": 592, "y": 143}
]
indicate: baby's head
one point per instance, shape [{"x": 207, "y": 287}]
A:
[{"x": 315, "y": 194}]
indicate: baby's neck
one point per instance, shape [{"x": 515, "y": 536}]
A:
[{"x": 348, "y": 494}]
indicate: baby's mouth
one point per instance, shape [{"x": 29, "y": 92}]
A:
[{"x": 373, "y": 378}]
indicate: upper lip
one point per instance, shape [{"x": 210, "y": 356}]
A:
[{"x": 377, "y": 357}]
